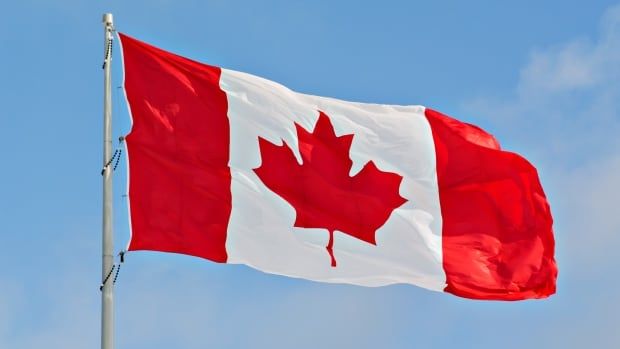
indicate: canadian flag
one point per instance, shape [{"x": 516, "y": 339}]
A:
[{"x": 234, "y": 168}]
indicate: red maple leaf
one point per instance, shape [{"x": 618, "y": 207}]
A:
[{"x": 321, "y": 190}]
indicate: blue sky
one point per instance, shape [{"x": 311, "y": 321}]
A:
[{"x": 544, "y": 77}]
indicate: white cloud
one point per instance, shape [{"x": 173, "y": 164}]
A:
[
  {"x": 566, "y": 103},
  {"x": 579, "y": 64}
]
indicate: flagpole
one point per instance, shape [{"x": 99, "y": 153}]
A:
[{"x": 107, "y": 290}]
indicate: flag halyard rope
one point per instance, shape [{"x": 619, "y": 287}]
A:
[
  {"x": 116, "y": 267},
  {"x": 116, "y": 156},
  {"x": 108, "y": 51}
]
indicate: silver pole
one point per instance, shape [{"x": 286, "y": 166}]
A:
[{"x": 107, "y": 291}]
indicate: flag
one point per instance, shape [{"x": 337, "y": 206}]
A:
[{"x": 235, "y": 168}]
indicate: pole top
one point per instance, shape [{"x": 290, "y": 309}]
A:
[{"x": 107, "y": 19}]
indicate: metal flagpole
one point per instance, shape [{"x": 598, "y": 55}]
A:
[{"x": 107, "y": 289}]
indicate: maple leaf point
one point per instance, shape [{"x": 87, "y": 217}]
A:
[{"x": 321, "y": 190}]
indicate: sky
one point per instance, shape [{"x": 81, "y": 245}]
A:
[{"x": 543, "y": 77}]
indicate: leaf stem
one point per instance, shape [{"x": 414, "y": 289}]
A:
[{"x": 330, "y": 248}]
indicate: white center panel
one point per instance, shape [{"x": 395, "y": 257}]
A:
[{"x": 397, "y": 138}]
